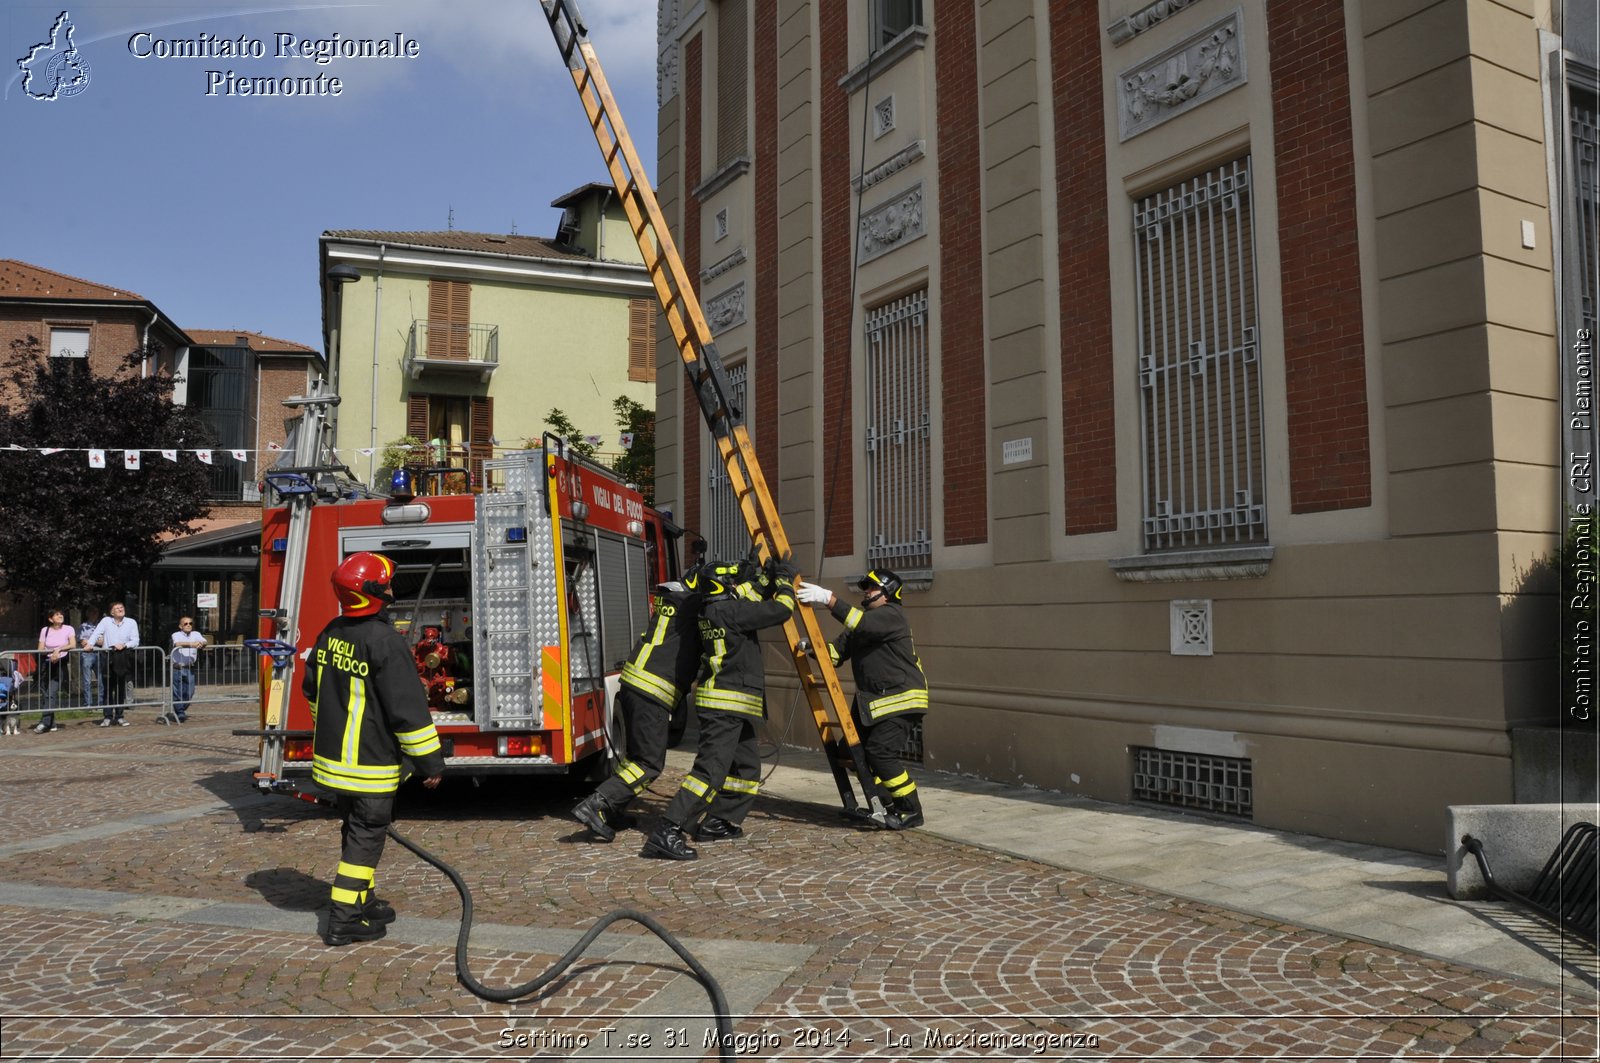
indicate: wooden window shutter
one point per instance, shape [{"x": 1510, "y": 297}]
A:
[
  {"x": 417, "y": 417},
  {"x": 642, "y": 339},
  {"x": 480, "y": 438},
  {"x": 449, "y": 316}
]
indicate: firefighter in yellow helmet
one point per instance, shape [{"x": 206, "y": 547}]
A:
[
  {"x": 891, "y": 690},
  {"x": 370, "y": 712},
  {"x": 722, "y": 785}
]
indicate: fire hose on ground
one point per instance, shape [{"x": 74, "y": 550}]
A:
[{"x": 719, "y": 1000}]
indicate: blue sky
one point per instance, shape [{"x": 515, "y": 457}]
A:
[{"x": 210, "y": 206}]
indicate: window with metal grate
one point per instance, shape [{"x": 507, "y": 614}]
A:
[
  {"x": 899, "y": 483},
  {"x": 1198, "y": 781},
  {"x": 1202, "y": 467}
]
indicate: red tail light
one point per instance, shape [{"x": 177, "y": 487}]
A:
[
  {"x": 297, "y": 749},
  {"x": 519, "y": 745}
]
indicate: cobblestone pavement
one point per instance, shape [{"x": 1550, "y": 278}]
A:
[{"x": 156, "y": 907}]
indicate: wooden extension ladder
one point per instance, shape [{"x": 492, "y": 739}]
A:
[{"x": 709, "y": 380}]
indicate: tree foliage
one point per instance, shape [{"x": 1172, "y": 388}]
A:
[
  {"x": 72, "y": 534},
  {"x": 638, "y": 462},
  {"x": 560, "y": 424}
]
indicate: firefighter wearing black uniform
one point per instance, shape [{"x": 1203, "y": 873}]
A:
[
  {"x": 655, "y": 680},
  {"x": 731, "y": 697},
  {"x": 891, "y": 690},
  {"x": 370, "y": 711}
]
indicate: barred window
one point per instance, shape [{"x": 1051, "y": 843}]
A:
[
  {"x": 1199, "y": 363},
  {"x": 1585, "y": 220},
  {"x": 733, "y": 56},
  {"x": 726, "y": 535},
  {"x": 899, "y": 480}
]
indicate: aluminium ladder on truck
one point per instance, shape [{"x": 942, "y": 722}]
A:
[
  {"x": 296, "y": 482},
  {"x": 709, "y": 379}
]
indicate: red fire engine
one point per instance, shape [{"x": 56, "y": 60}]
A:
[{"x": 521, "y": 601}]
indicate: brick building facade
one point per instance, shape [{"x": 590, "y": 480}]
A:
[
  {"x": 236, "y": 380},
  {"x": 1196, "y": 362}
]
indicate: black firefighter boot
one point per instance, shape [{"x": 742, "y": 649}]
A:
[
  {"x": 347, "y": 924},
  {"x": 666, "y": 842},
  {"x": 592, "y": 812},
  {"x": 907, "y": 812},
  {"x": 717, "y": 829},
  {"x": 377, "y": 910}
]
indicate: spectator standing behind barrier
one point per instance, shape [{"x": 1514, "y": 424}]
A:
[
  {"x": 55, "y": 662},
  {"x": 186, "y": 646},
  {"x": 92, "y": 663},
  {"x": 118, "y": 635}
]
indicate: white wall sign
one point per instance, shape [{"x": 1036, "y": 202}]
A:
[{"x": 1016, "y": 451}]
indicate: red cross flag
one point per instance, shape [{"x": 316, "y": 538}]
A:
[
  {"x": 204, "y": 456},
  {"x": 170, "y": 455},
  {"x": 238, "y": 455},
  {"x": 130, "y": 459},
  {"x": 97, "y": 459}
]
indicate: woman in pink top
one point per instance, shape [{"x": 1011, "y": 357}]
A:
[{"x": 55, "y": 639}]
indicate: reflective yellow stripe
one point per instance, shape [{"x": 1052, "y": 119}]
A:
[
  {"x": 373, "y": 780},
  {"x": 698, "y": 788},
  {"x": 741, "y": 786},
  {"x": 350, "y": 741},
  {"x": 892, "y": 703},
  {"x": 833, "y": 654},
  {"x": 346, "y": 896},
  {"x": 852, "y": 618},
  {"x": 898, "y": 780},
  {"x": 355, "y": 871},
  {"x": 629, "y": 772},
  {"x": 728, "y": 701},
  {"x": 418, "y": 743},
  {"x": 902, "y": 791},
  {"x": 649, "y": 683}
]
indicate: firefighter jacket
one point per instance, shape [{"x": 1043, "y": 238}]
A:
[
  {"x": 877, "y": 643},
  {"x": 732, "y": 676},
  {"x": 665, "y": 661},
  {"x": 369, "y": 708}
]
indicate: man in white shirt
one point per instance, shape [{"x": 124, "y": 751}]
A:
[
  {"x": 186, "y": 646},
  {"x": 118, "y": 634}
]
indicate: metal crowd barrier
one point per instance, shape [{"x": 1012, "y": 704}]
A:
[{"x": 82, "y": 681}]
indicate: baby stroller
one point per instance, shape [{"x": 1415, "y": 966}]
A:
[{"x": 14, "y": 672}]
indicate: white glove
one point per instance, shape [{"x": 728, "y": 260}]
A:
[{"x": 812, "y": 594}]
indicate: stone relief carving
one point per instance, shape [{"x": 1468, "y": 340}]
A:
[
  {"x": 890, "y": 166},
  {"x": 717, "y": 269},
  {"x": 726, "y": 310},
  {"x": 1201, "y": 68},
  {"x": 667, "y": 74},
  {"x": 1127, "y": 28},
  {"x": 896, "y": 222}
]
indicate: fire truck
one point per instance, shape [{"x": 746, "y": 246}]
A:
[
  {"x": 539, "y": 670},
  {"x": 520, "y": 601}
]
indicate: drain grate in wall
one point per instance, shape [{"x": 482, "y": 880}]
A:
[{"x": 1194, "y": 780}]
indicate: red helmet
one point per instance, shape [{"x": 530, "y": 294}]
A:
[{"x": 362, "y": 583}]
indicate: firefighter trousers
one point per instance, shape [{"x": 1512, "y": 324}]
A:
[
  {"x": 726, "y": 774},
  {"x": 645, "y": 721},
  {"x": 883, "y": 743},
  {"x": 366, "y": 817}
]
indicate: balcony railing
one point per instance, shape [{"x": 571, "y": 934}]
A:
[{"x": 445, "y": 347}]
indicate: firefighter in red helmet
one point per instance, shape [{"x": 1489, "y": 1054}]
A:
[{"x": 370, "y": 712}]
